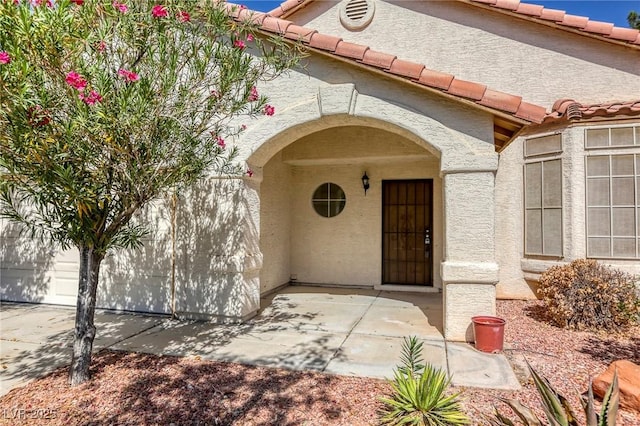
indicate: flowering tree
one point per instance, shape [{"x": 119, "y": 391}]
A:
[{"x": 107, "y": 105}]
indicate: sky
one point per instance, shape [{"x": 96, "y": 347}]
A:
[{"x": 614, "y": 11}]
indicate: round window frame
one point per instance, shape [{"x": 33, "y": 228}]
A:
[{"x": 327, "y": 201}]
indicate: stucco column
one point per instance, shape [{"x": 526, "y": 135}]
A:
[
  {"x": 218, "y": 254},
  {"x": 469, "y": 272}
]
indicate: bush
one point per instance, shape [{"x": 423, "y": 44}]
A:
[{"x": 589, "y": 295}]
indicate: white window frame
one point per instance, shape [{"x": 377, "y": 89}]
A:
[
  {"x": 611, "y": 151},
  {"x": 541, "y": 158}
]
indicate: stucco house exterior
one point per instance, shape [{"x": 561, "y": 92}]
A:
[{"x": 499, "y": 138}]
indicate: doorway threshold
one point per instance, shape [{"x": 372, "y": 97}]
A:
[{"x": 407, "y": 288}]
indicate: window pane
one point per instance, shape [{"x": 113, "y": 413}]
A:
[
  {"x": 552, "y": 232},
  {"x": 322, "y": 192},
  {"x": 638, "y": 135},
  {"x": 598, "y": 166},
  {"x": 533, "y": 180},
  {"x": 622, "y": 165},
  {"x": 622, "y": 191},
  {"x": 335, "y": 207},
  {"x": 534, "y": 231},
  {"x": 335, "y": 192},
  {"x": 599, "y": 222},
  {"x": 321, "y": 207},
  {"x": 552, "y": 183},
  {"x": 624, "y": 247},
  {"x": 599, "y": 247},
  {"x": 597, "y": 137},
  {"x": 543, "y": 145},
  {"x": 598, "y": 192},
  {"x": 623, "y": 222},
  {"x": 622, "y": 136}
]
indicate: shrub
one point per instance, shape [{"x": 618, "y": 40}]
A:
[
  {"x": 586, "y": 295},
  {"x": 557, "y": 408},
  {"x": 419, "y": 396}
]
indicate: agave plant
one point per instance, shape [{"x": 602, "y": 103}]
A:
[
  {"x": 557, "y": 408},
  {"x": 419, "y": 393}
]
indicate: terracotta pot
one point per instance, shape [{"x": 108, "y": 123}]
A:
[{"x": 489, "y": 333}]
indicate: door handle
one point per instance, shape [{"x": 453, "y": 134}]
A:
[{"x": 427, "y": 243}]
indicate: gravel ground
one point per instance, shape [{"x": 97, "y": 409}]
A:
[{"x": 137, "y": 389}]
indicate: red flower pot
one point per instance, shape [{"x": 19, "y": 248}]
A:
[{"x": 489, "y": 333}]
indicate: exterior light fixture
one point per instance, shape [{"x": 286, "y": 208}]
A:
[{"x": 365, "y": 182}]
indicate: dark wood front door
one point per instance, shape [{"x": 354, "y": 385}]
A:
[{"x": 407, "y": 232}]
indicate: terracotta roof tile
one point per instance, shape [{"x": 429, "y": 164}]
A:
[
  {"x": 275, "y": 25},
  {"x": 566, "y": 109},
  {"x": 574, "y": 21},
  {"x": 406, "y": 68},
  {"x": 467, "y": 89},
  {"x": 378, "y": 59},
  {"x": 258, "y": 17},
  {"x": 531, "y": 112},
  {"x": 507, "y": 4},
  {"x": 296, "y": 32},
  {"x": 351, "y": 50},
  {"x": 324, "y": 42},
  {"x": 598, "y": 27},
  {"x": 529, "y": 9},
  {"x": 436, "y": 79},
  {"x": 626, "y": 34},
  {"x": 501, "y": 101},
  {"x": 286, "y": 7},
  {"x": 552, "y": 15},
  {"x": 560, "y": 17}
]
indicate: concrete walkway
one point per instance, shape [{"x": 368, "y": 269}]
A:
[{"x": 337, "y": 331}]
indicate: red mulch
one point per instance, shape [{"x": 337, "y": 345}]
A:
[{"x": 141, "y": 389}]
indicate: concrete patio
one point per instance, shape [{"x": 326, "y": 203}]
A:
[{"x": 333, "y": 330}]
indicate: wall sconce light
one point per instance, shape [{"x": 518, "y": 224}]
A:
[{"x": 365, "y": 182}]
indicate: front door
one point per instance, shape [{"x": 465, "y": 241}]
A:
[{"x": 407, "y": 232}]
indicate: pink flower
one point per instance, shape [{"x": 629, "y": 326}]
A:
[
  {"x": 242, "y": 6},
  {"x": 40, "y": 2},
  {"x": 243, "y": 127},
  {"x": 253, "y": 96},
  {"x": 75, "y": 80},
  {"x": 239, "y": 44},
  {"x": 268, "y": 110},
  {"x": 102, "y": 46},
  {"x": 78, "y": 2},
  {"x": 91, "y": 98},
  {"x": 250, "y": 37},
  {"x": 159, "y": 11},
  {"x": 249, "y": 172},
  {"x": 183, "y": 16},
  {"x": 4, "y": 58},
  {"x": 123, "y": 8},
  {"x": 128, "y": 75},
  {"x": 220, "y": 142}
]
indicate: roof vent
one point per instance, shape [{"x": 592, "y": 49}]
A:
[{"x": 356, "y": 14}]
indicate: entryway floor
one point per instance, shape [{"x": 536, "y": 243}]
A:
[{"x": 356, "y": 332}]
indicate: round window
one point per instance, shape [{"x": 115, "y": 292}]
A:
[{"x": 329, "y": 200}]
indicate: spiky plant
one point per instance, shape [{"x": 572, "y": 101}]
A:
[
  {"x": 557, "y": 408},
  {"x": 419, "y": 393}
]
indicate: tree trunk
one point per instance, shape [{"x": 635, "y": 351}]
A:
[{"x": 85, "y": 331}]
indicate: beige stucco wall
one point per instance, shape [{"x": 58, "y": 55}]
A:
[{"x": 539, "y": 63}]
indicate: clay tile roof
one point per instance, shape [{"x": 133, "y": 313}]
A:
[
  {"x": 351, "y": 50},
  {"x": 567, "y": 109},
  {"x": 501, "y": 101},
  {"x": 285, "y": 7},
  {"x": 436, "y": 79},
  {"x": 296, "y": 32},
  {"x": 406, "y": 69},
  {"x": 275, "y": 25},
  {"x": 378, "y": 59},
  {"x": 504, "y": 104},
  {"x": 467, "y": 89},
  {"x": 581, "y": 23},
  {"x": 324, "y": 42}
]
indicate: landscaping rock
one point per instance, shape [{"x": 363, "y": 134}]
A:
[{"x": 628, "y": 381}]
